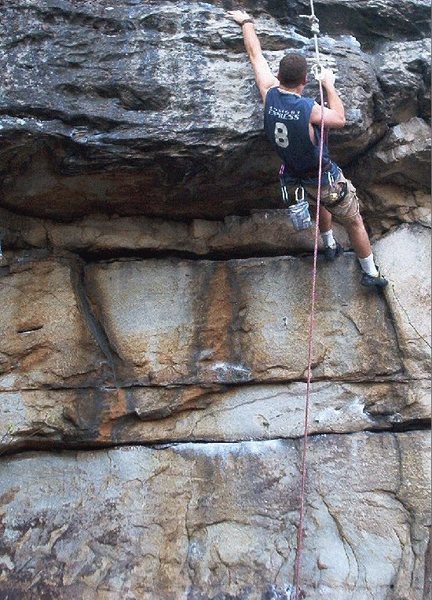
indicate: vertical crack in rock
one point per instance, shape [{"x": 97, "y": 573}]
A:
[
  {"x": 428, "y": 571},
  {"x": 93, "y": 323},
  {"x": 190, "y": 547},
  {"x": 390, "y": 317},
  {"x": 410, "y": 465},
  {"x": 343, "y": 538},
  {"x": 410, "y": 323},
  {"x": 407, "y": 509}
]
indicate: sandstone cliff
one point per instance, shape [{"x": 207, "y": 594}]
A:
[{"x": 155, "y": 303}]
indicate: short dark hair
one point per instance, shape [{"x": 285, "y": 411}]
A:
[{"x": 292, "y": 69}]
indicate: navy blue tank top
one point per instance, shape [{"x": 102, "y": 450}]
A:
[{"x": 286, "y": 123}]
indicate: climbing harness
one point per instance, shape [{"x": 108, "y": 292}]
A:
[
  {"x": 284, "y": 191},
  {"x": 338, "y": 192},
  {"x": 319, "y": 74}
]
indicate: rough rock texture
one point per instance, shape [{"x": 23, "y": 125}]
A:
[
  {"x": 44, "y": 338},
  {"x": 97, "y": 113},
  {"x": 263, "y": 232},
  {"x": 408, "y": 291},
  {"x": 154, "y": 295},
  {"x": 214, "y": 521},
  {"x": 225, "y": 364},
  {"x": 403, "y": 156},
  {"x": 238, "y": 321},
  {"x": 62, "y": 418}
]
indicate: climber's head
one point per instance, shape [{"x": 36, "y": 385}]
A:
[{"x": 293, "y": 70}]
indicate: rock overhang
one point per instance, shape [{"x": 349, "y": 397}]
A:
[{"x": 153, "y": 110}]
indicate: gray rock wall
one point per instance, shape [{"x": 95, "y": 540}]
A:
[
  {"x": 150, "y": 108},
  {"x": 215, "y": 521},
  {"x": 155, "y": 306}
]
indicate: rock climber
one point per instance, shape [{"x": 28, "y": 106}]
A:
[{"x": 291, "y": 122}]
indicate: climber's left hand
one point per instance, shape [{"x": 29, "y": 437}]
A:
[{"x": 239, "y": 16}]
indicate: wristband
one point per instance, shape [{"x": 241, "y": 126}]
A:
[{"x": 246, "y": 21}]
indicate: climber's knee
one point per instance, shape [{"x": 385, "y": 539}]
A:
[{"x": 353, "y": 222}]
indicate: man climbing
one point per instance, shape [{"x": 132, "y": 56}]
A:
[{"x": 291, "y": 123}]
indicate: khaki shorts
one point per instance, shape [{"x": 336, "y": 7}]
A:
[{"x": 344, "y": 210}]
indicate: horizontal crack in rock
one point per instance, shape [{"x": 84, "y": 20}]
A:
[{"x": 40, "y": 446}]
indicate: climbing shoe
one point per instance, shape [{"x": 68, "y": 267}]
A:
[
  {"x": 330, "y": 254},
  {"x": 370, "y": 281}
]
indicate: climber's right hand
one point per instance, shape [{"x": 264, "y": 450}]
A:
[{"x": 327, "y": 78}]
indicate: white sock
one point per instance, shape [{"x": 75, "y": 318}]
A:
[
  {"x": 368, "y": 265},
  {"x": 328, "y": 239}
]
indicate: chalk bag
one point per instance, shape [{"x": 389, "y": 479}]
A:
[{"x": 299, "y": 212}]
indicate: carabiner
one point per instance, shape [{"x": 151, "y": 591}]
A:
[{"x": 300, "y": 194}]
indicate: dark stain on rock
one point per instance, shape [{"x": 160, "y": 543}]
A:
[
  {"x": 217, "y": 352},
  {"x": 86, "y": 411},
  {"x": 130, "y": 97},
  {"x": 110, "y": 537},
  {"x": 237, "y": 326},
  {"x": 95, "y": 413},
  {"x": 8, "y": 496},
  {"x": 162, "y": 23}
]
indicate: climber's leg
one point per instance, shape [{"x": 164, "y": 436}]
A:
[
  {"x": 358, "y": 236},
  {"x": 325, "y": 220},
  {"x": 332, "y": 248},
  {"x": 346, "y": 210}
]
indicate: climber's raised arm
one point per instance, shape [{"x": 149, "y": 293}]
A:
[
  {"x": 264, "y": 77},
  {"x": 334, "y": 116}
]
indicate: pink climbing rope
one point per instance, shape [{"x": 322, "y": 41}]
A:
[{"x": 300, "y": 531}]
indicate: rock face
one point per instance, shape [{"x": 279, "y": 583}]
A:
[
  {"x": 98, "y": 114},
  {"x": 215, "y": 522},
  {"x": 209, "y": 355},
  {"x": 156, "y": 302}
]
